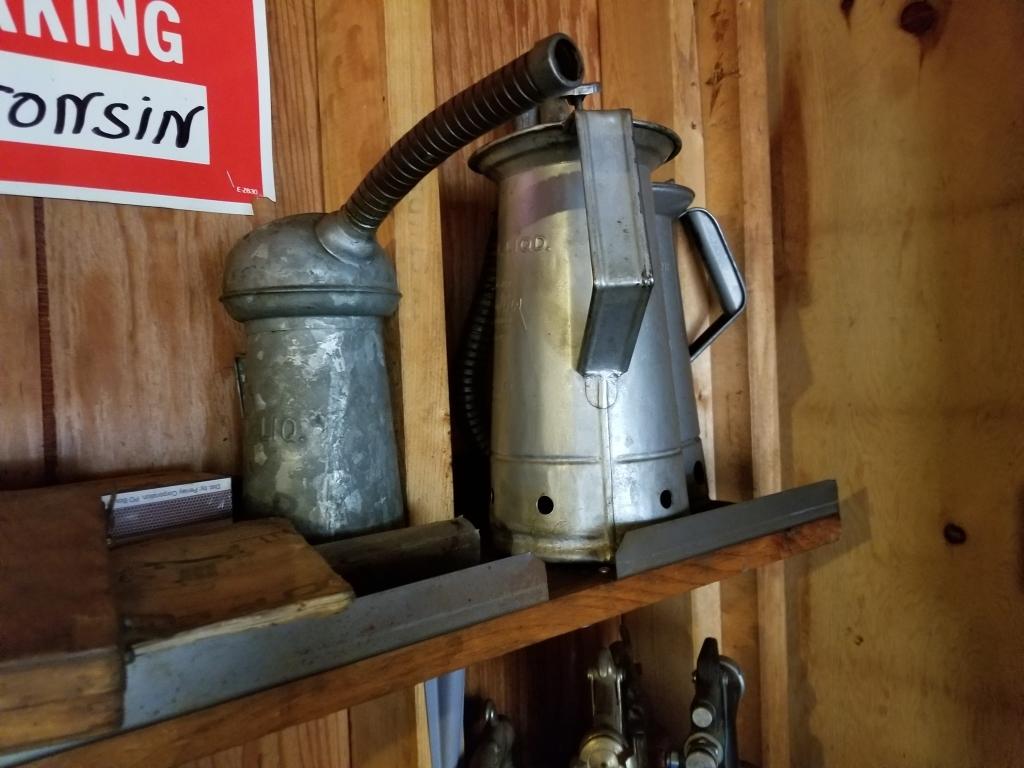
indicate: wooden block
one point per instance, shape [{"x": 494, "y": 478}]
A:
[
  {"x": 178, "y": 588},
  {"x": 389, "y": 559},
  {"x": 61, "y": 670}
]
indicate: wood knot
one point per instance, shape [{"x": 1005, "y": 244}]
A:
[
  {"x": 918, "y": 17},
  {"x": 954, "y": 534}
]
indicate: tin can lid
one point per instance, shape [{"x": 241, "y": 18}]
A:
[
  {"x": 557, "y": 142},
  {"x": 282, "y": 270}
]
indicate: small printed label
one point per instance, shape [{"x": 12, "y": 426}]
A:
[{"x": 127, "y": 499}]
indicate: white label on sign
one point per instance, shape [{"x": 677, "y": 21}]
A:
[{"x": 58, "y": 104}]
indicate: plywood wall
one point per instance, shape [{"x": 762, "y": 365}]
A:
[{"x": 899, "y": 171}]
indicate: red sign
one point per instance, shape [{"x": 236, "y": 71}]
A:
[{"x": 149, "y": 102}]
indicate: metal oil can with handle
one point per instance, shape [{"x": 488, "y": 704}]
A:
[{"x": 594, "y": 423}]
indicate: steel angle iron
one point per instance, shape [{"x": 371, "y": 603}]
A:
[{"x": 313, "y": 291}]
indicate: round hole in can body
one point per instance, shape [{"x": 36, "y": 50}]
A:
[
  {"x": 666, "y": 498},
  {"x": 545, "y": 505}
]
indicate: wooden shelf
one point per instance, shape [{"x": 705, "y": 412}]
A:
[{"x": 578, "y": 598}]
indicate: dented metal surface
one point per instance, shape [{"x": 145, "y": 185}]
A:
[{"x": 319, "y": 444}]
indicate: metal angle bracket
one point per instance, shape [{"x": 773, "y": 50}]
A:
[
  {"x": 167, "y": 682},
  {"x": 699, "y": 534}
]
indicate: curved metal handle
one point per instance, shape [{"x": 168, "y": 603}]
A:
[{"x": 708, "y": 239}]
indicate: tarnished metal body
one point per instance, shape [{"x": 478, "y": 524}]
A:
[
  {"x": 590, "y": 438},
  {"x": 319, "y": 443}
]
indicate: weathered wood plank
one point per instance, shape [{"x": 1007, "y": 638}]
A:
[
  {"x": 417, "y": 253},
  {"x": 21, "y": 411},
  {"x": 188, "y": 584},
  {"x": 765, "y": 447},
  {"x": 61, "y": 669}
]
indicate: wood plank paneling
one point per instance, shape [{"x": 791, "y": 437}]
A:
[
  {"x": 352, "y": 92},
  {"x": 21, "y": 410},
  {"x": 426, "y": 420},
  {"x": 773, "y": 696},
  {"x": 899, "y": 175},
  {"x": 417, "y": 254},
  {"x": 721, "y": 75},
  {"x": 143, "y": 353},
  {"x": 383, "y": 731}
]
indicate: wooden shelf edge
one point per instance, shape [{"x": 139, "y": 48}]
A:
[{"x": 198, "y": 734}]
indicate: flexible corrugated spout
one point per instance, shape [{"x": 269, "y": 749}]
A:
[{"x": 552, "y": 67}]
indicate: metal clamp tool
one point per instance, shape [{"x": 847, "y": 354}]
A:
[
  {"x": 719, "y": 686},
  {"x": 618, "y": 737}
]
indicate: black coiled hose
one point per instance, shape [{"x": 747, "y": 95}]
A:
[
  {"x": 476, "y": 356},
  {"x": 552, "y": 67}
]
